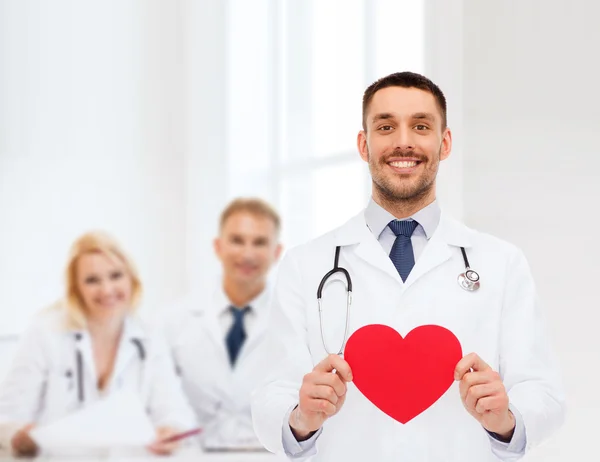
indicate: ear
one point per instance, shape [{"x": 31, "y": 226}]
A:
[
  {"x": 446, "y": 144},
  {"x": 217, "y": 246},
  {"x": 278, "y": 251},
  {"x": 361, "y": 143}
]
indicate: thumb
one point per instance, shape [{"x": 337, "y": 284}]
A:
[{"x": 162, "y": 432}]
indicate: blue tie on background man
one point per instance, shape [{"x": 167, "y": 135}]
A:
[
  {"x": 237, "y": 334},
  {"x": 402, "y": 251}
]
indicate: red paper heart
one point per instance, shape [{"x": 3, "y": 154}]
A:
[{"x": 403, "y": 376}]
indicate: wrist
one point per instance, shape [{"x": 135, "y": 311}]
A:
[
  {"x": 298, "y": 430},
  {"x": 506, "y": 432}
]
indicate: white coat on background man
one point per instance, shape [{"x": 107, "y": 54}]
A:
[
  {"x": 219, "y": 393},
  {"x": 507, "y": 396},
  {"x": 218, "y": 388}
]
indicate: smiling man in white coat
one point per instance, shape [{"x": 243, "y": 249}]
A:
[
  {"x": 403, "y": 255},
  {"x": 217, "y": 341}
]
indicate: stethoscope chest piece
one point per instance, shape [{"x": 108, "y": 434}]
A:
[{"x": 469, "y": 280}]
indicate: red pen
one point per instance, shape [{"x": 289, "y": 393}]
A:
[{"x": 181, "y": 436}]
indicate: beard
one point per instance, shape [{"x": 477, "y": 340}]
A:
[{"x": 394, "y": 188}]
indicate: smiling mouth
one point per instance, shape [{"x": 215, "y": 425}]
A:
[
  {"x": 108, "y": 303},
  {"x": 404, "y": 166},
  {"x": 405, "y": 163}
]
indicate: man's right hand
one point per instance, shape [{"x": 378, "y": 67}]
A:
[{"x": 322, "y": 395}]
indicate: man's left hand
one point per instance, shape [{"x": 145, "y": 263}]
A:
[{"x": 484, "y": 396}]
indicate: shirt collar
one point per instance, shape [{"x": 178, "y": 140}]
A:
[
  {"x": 133, "y": 328},
  {"x": 255, "y": 304},
  {"x": 378, "y": 218}
]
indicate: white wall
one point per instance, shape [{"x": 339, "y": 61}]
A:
[
  {"x": 444, "y": 65},
  {"x": 113, "y": 114},
  {"x": 531, "y": 173},
  {"x": 205, "y": 134},
  {"x": 90, "y": 137}
]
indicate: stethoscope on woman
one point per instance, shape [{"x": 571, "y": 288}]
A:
[
  {"x": 79, "y": 364},
  {"x": 469, "y": 280}
]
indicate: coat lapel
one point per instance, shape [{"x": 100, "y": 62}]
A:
[
  {"x": 208, "y": 318},
  {"x": 438, "y": 250},
  {"x": 449, "y": 235},
  {"x": 256, "y": 335},
  {"x": 128, "y": 351},
  {"x": 355, "y": 234}
]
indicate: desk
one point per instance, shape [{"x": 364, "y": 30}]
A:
[{"x": 184, "y": 455}]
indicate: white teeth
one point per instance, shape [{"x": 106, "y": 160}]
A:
[{"x": 404, "y": 164}]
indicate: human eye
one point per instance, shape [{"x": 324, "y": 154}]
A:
[{"x": 116, "y": 275}]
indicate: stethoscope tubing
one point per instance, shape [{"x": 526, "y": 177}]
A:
[
  {"x": 79, "y": 365},
  {"x": 470, "y": 277}
]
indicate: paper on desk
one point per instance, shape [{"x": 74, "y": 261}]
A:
[{"x": 119, "y": 420}]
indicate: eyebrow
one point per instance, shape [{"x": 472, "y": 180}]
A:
[
  {"x": 382, "y": 116},
  {"x": 424, "y": 116},
  {"x": 416, "y": 116}
]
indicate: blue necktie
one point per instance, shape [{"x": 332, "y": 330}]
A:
[
  {"x": 236, "y": 335},
  {"x": 402, "y": 251}
]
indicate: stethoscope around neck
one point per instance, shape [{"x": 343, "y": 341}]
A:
[
  {"x": 469, "y": 280},
  {"x": 79, "y": 364},
  {"x": 336, "y": 269}
]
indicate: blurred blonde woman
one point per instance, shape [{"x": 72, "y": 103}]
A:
[{"x": 88, "y": 346}]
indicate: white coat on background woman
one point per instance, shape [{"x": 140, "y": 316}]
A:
[{"x": 89, "y": 346}]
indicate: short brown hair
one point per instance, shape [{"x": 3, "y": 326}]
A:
[
  {"x": 405, "y": 80},
  {"x": 253, "y": 206}
]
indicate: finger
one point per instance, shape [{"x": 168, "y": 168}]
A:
[
  {"x": 162, "y": 433},
  {"x": 23, "y": 444},
  {"x": 471, "y": 361},
  {"x": 169, "y": 447},
  {"x": 478, "y": 378},
  {"x": 324, "y": 392},
  {"x": 336, "y": 362},
  {"x": 321, "y": 406},
  {"x": 477, "y": 392},
  {"x": 157, "y": 449},
  {"x": 491, "y": 403},
  {"x": 472, "y": 379},
  {"x": 19, "y": 440},
  {"x": 331, "y": 380},
  {"x": 162, "y": 448}
]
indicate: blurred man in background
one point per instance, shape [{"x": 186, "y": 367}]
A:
[{"x": 217, "y": 339}]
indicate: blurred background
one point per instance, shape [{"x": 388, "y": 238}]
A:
[{"x": 144, "y": 118}]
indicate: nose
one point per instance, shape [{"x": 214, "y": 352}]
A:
[
  {"x": 105, "y": 287},
  {"x": 248, "y": 252},
  {"x": 404, "y": 139}
]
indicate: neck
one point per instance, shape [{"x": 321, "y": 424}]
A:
[
  {"x": 403, "y": 208},
  {"x": 242, "y": 294},
  {"x": 106, "y": 329}
]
